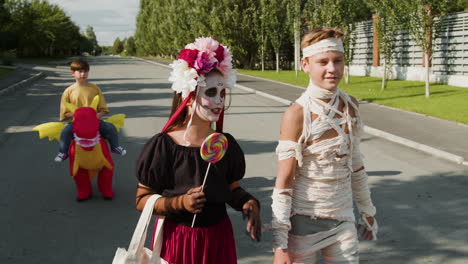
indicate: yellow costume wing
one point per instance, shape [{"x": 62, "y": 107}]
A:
[
  {"x": 117, "y": 120},
  {"x": 95, "y": 102},
  {"x": 51, "y": 130}
]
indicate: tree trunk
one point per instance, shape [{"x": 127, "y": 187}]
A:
[
  {"x": 277, "y": 60},
  {"x": 384, "y": 77},
  {"x": 263, "y": 60},
  {"x": 263, "y": 54},
  {"x": 426, "y": 59},
  {"x": 346, "y": 74},
  {"x": 297, "y": 52}
]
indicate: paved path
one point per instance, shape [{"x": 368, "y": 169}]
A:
[{"x": 421, "y": 199}]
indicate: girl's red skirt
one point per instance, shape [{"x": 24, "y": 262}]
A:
[{"x": 200, "y": 245}]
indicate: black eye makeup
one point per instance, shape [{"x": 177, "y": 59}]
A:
[{"x": 211, "y": 92}]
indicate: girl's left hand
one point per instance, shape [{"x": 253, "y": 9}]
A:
[{"x": 254, "y": 225}]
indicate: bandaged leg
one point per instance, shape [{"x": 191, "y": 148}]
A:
[
  {"x": 345, "y": 250},
  {"x": 338, "y": 245}
]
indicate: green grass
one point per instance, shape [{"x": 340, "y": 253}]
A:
[
  {"x": 446, "y": 102},
  {"x": 5, "y": 71}
]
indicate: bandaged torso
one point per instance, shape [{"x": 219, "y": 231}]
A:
[{"x": 323, "y": 185}]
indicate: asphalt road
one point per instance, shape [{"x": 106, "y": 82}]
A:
[{"x": 421, "y": 201}]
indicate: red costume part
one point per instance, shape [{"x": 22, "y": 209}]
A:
[{"x": 90, "y": 155}]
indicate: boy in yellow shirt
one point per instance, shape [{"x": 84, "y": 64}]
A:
[{"x": 81, "y": 93}]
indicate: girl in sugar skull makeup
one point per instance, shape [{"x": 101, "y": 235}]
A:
[{"x": 170, "y": 163}]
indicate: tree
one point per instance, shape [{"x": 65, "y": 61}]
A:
[
  {"x": 130, "y": 46},
  {"x": 275, "y": 18},
  {"x": 39, "y": 28},
  {"x": 118, "y": 46},
  {"x": 419, "y": 21},
  {"x": 295, "y": 8},
  {"x": 387, "y": 26},
  {"x": 91, "y": 36}
]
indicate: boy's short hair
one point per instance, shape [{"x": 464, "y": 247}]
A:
[
  {"x": 79, "y": 65},
  {"x": 318, "y": 34}
]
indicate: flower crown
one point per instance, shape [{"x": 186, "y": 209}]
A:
[{"x": 198, "y": 59}]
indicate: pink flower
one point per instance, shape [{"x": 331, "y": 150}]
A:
[
  {"x": 219, "y": 54},
  {"x": 225, "y": 66},
  {"x": 203, "y": 63},
  {"x": 206, "y": 44},
  {"x": 188, "y": 55}
]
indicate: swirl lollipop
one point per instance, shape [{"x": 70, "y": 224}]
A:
[
  {"x": 214, "y": 147},
  {"x": 212, "y": 150}
]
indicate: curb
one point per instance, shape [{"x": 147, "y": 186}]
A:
[
  {"x": 369, "y": 130},
  {"x": 412, "y": 144},
  {"x": 22, "y": 84}
]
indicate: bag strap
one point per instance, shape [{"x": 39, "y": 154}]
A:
[
  {"x": 158, "y": 239},
  {"x": 139, "y": 235}
]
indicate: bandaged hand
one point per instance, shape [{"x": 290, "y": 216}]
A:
[
  {"x": 367, "y": 227},
  {"x": 251, "y": 210}
]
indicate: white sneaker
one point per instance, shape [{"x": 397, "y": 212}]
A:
[{"x": 61, "y": 157}]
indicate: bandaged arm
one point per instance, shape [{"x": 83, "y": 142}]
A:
[
  {"x": 281, "y": 213},
  {"x": 288, "y": 153},
  {"x": 361, "y": 192}
]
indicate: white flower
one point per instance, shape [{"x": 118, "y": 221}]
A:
[{"x": 183, "y": 78}]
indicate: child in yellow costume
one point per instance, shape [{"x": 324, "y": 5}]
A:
[
  {"x": 81, "y": 93},
  {"x": 89, "y": 153}
]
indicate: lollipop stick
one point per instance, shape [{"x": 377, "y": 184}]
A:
[
  {"x": 206, "y": 174},
  {"x": 203, "y": 185}
]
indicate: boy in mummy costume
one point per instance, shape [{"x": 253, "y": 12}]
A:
[{"x": 320, "y": 168}]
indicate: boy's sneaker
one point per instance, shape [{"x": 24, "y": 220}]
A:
[
  {"x": 61, "y": 157},
  {"x": 119, "y": 150}
]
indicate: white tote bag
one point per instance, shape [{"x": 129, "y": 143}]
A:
[{"x": 137, "y": 253}]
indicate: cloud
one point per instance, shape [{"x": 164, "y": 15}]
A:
[{"x": 109, "y": 18}]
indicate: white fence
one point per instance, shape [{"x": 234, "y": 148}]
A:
[{"x": 450, "y": 53}]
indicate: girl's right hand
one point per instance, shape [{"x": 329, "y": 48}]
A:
[
  {"x": 282, "y": 257},
  {"x": 194, "y": 200}
]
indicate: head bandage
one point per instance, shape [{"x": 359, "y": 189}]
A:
[{"x": 328, "y": 44}]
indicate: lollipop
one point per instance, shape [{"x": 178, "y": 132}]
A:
[
  {"x": 212, "y": 150},
  {"x": 214, "y": 147}
]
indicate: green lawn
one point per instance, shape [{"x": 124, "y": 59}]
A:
[
  {"x": 5, "y": 71},
  {"x": 446, "y": 102}
]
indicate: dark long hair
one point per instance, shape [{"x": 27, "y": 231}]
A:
[{"x": 180, "y": 120}]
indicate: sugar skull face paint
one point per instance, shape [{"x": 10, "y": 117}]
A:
[{"x": 211, "y": 98}]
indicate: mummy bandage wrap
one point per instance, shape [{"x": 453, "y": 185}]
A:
[
  {"x": 330, "y": 171},
  {"x": 361, "y": 193},
  {"x": 281, "y": 212},
  {"x": 337, "y": 245},
  {"x": 364, "y": 224},
  {"x": 329, "y": 44},
  {"x": 287, "y": 149}
]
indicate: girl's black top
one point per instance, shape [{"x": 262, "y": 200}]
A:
[{"x": 170, "y": 170}]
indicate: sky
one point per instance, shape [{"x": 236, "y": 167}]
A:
[{"x": 109, "y": 18}]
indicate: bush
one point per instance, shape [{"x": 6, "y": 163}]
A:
[{"x": 8, "y": 58}]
